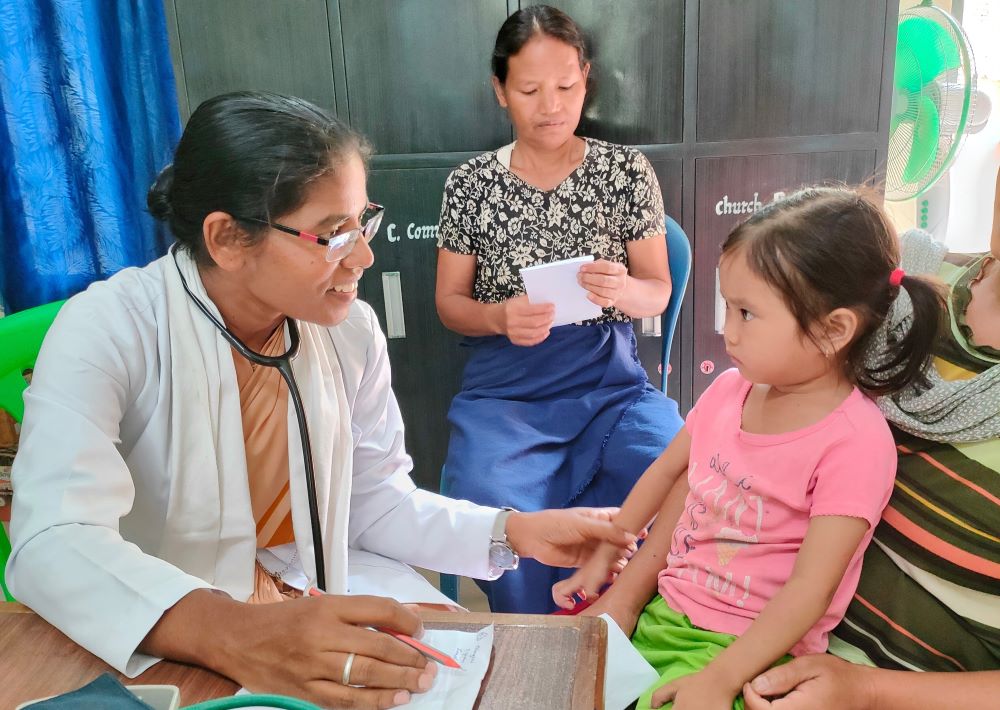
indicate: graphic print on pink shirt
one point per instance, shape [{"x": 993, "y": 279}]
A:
[
  {"x": 752, "y": 497},
  {"x": 730, "y": 508}
]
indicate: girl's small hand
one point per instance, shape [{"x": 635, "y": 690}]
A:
[
  {"x": 605, "y": 280},
  {"x": 698, "y": 691},
  {"x": 587, "y": 581}
]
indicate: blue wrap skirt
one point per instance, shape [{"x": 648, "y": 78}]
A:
[{"x": 572, "y": 421}]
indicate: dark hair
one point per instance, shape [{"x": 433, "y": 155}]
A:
[
  {"x": 251, "y": 154},
  {"x": 524, "y": 24},
  {"x": 824, "y": 248}
]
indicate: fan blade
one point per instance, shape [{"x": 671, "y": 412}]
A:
[
  {"x": 926, "y": 132},
  {"x": 907, "y": 74},
  {"x": 932, "y": 47}
]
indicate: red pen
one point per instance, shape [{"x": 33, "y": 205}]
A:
[{"x": 428, "y": 651}]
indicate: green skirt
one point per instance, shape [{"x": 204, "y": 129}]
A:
[{"x": 675, "y": 647}]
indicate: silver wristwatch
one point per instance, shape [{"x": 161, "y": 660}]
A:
[{"x": 502, "y": 555}]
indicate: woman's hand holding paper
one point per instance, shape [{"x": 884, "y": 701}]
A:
[
  {"x": 525, "y": 323},
  {"x": 605, "y": 280}
]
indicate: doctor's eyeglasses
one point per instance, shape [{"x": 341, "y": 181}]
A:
[{"x": 337, "y": 245}]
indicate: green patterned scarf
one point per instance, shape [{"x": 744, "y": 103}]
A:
[{"x": 949, "y": 411}]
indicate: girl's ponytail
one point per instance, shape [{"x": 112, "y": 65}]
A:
[
  {"x": 907, "y": 355},
  {"x": 824, "y": 248}
]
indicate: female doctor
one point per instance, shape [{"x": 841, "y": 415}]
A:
[{"x": 160, "y": 482}]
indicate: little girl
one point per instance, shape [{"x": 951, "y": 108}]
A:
[{"x": 789, "y": 461}]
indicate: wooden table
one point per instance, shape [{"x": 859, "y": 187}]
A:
[{"x": 539, "y": 662}]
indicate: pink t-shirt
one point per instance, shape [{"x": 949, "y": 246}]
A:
[{"x": 751, "y": 499}]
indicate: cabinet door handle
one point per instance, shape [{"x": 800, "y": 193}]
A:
[{"x": 392, "y": 292}]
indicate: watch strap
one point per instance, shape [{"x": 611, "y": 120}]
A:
[{"x": 499, "y": 531}]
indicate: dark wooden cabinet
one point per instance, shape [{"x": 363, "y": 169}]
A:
[
  {"x": 670, "y": 174},
  {"x": 418, "y": 74},
  {"x": 637, "y": 72},
  {"x": 727, "y": 98},
  {"x": 229, "y": 45},
  {"x": 426, "y": 363},
  {"x": 776, "y": 68},
  {"x": 726, "y": 188}
]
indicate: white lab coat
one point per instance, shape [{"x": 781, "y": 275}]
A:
[{"x": 92, "y": 491}]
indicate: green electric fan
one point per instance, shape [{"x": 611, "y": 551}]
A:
[{"x": 934, "y": 92}]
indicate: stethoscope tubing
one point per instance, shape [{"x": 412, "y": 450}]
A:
[{"x": 283, "y": 364}]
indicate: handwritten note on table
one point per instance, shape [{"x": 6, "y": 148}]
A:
[
  {"x": 556, "y": 283},
  {"x": 452, "y": 689},
  {"x": 457, "y": 689}
]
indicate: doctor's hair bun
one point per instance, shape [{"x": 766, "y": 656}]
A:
[
  {"x": 158, "y": 198},
  {"x": 253, "y": 155}
]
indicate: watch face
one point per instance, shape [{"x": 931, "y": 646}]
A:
[{"x": 502, "y": 557}]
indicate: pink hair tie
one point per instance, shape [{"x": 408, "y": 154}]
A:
[{"x": 896, "y": 277}]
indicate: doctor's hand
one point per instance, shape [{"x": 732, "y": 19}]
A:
[
  {"x": 301, "y": 648},
  {"x": 605, "y": 280},
  {"x": 817, "y": 681},
  {"x": 525, "y": 323},
  {"x": 567, "y": 538}
]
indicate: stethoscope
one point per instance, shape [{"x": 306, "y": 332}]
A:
[{"x": 283, "y": 364}]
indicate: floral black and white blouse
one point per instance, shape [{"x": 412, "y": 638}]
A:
[{"x": 613, "y": 197}]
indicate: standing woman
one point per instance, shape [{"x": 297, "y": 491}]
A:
[{"x": 550, "y": 417}]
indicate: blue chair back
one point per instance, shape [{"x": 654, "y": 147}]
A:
[{"x": 679, "y": 260}]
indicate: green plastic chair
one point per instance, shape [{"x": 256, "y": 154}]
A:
[{"x": 21, "y": 336}]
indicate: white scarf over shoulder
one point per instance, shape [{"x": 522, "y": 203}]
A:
[{"x": 207, "y": 461}]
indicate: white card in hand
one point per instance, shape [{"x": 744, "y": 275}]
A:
[
  {"x": 626, "y": 673},
  {"x": 556, "y": 283}
]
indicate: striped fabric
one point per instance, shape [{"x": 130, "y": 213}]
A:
[{"x": 929, "y": 596}]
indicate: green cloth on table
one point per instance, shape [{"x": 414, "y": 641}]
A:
[{"x": 103, "y": 693}]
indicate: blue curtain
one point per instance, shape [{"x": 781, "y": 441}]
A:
[{"x": 89, "y": 115}]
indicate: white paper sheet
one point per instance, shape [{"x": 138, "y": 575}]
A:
[
  {"x": 556, "y": 283},
  {"x": 626, "y": 673},
  {"x": 452, "y": 689},
  {"x": 368, "y": 573},
  {"x": 456, "y": 689}
]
